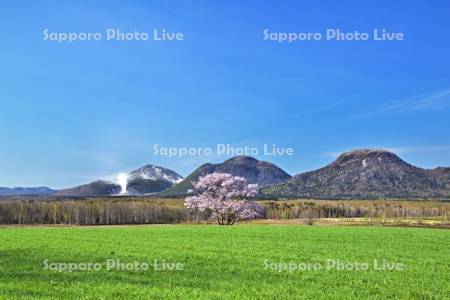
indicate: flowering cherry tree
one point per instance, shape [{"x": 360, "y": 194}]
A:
[{"x": 223, "y": 196}]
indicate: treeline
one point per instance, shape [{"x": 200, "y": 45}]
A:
[
  {"x": 371, "y": 210},
  {"x": 111, "y": 211},
  {"x": 90, "y": 212},
  {"x": 347, "y": 209}
]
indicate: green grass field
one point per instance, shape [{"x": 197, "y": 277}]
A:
[{"x": 225, "y": 262}]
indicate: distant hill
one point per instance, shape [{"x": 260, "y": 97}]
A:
[
  {"x": 367, "y": 174},
  {"x": 148, "y": 179},
  {"x": 254, "y": 171},
  {"x": 95, "y": 188},
  {"x": 26, "y": 191},
  {"x": 151, "y": 179}
]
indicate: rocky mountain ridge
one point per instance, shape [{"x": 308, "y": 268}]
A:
[{"x": 367, "y": 174}]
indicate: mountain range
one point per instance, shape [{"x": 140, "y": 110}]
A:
[
  {"x": 357, "y": 174},
  {"x": 31, "y": 191}
]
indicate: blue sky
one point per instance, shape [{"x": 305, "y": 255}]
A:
[{"x": 74, "y": 112}]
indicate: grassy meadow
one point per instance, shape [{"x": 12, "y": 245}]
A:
[{"x": 221, "y": 262}]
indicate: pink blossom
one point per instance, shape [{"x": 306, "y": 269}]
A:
[{"x": 223, "y": 196}]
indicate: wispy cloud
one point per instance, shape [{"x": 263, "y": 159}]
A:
[
  {"x": 331, "y": 154},
  {"x": 307, "y": 112},
  {"x": 430, "y": 100}
]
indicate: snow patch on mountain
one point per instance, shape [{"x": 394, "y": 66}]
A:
[
  {"x": 364, "y": 163},
  {"x": 151, "y": 172}
]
